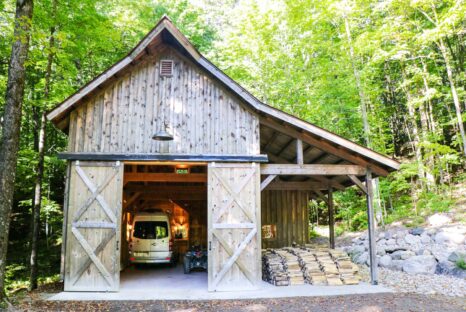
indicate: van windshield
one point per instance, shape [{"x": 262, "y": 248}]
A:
[{"x": 150, "y": 229}]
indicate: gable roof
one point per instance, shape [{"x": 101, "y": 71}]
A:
[{"x": 165, "y": 31}]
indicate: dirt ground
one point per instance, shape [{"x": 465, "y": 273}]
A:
[{"x": 361, "y": 303}]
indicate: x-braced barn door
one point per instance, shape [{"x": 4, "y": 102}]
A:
[
  {"x": 92, "y": 261},
  {"x": 234, "y": 223}
]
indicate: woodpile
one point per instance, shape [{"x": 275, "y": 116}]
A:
[
  {"x": 296, "y": 266},
  {"x": 347, "y": 269},
  {"x": 273, "y": 269},
  {"x": 293, "y": 267}
]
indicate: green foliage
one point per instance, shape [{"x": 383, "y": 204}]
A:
[
  {"x": 461, "y": 263},
  {"x": 313, "y": 233}
]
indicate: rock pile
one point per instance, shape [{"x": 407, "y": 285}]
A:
[
  {"x": 295, "y": 266},
  {"x": 426, "y": 251}
]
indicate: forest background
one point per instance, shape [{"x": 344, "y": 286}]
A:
[{"x": 389, "y": 74}]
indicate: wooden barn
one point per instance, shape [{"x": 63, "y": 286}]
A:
[{"x": 164, "y": 128}]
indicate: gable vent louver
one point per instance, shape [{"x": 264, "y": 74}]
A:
[{"x": 166, "y": 68}]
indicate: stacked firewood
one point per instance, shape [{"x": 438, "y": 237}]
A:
[
  {"x": 328, "y": 266},
  {"x": 273, "y": 269},
  {"x": 295, "y": 266},
  {"x": 311, "y": 268},
  {"x": 347, "y": 269}
]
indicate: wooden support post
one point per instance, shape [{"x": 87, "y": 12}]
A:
[
  {"x": 299, "y": 152},
  {"x": 371, "y": 228},
  {"x": 331, "y": 219}
]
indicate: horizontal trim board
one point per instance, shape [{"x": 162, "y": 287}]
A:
[
  {"x": 163, "y": 157},
  {"x": 229, "y": 226},
  {"x": 333, "y": 170},
  {"x": 163, "y": 177},
  {"x": 95, "y": 225},
  {"x": 296, "y": 186}
]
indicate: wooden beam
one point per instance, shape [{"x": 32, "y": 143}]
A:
[
  {"x": 267, "y": 181},
  {"x": 296, "y": 186},
  {"x": 325, "y": 146},
  {"x": 299, "y": 152},
  {"x": 164, "y": 188},
  {"x": 325, "y": 181},
  {"x": 324, "y": 169},
  {"x": 163, "y": 177},
  {"x": 331, "y": 219},
  {"x": 174, "y": 196},
  {"x": 131, "y": 199},
  {"x": 163, "y": 157},
  {"x": 371, "y": 228},
  {"x": 358, "y": 183}
]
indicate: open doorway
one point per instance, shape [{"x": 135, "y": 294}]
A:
[{"x": 164, "y": 217}]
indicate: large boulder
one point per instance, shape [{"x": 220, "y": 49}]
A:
[
  {"x": 390, "y": 242},
  {"x": 438, "y": 219},
  {"x": 455, "y": 256},
  {"x": 425, "y": 238},
  {"x": 396, "y": 265},
  {"x": 449, "y": 237},
  {"x": 402, "y": 254},
  {"x": 449, "y": 268},
  {"x": 420, "y": 264},
  {"x": 361, "y": 258},
  {"x": 412, "y": 239},
  {"x": 385, "y": 261},
  {"x": 358, "y": 249},
  {"x": 416, "y": 231},
  {"x": 440, "y": 252}
]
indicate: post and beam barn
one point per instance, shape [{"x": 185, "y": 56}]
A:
[{"x": 234, "y": 167}]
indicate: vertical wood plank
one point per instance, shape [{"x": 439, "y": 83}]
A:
[{"x": 331, "y": 219}]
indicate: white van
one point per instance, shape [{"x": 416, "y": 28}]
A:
[{"x": 151, "y": 240}]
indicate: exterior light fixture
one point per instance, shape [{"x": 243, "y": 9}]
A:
[{"x": 163, "y": 135}]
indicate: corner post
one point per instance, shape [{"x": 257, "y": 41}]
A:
[
  {"x": 371, "y": 227},
  {"x": 331, "y": 218}
]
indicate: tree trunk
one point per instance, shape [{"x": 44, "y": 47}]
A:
[
  {"x": 451, "y": 80},
  {"x": 430, "y": 179},
  {"x": 365, "y": 119},
  {"x": 415, "y": 131},
  {"x": 454, "y": 93},
  {"x": 40, "y": 164},
  {"x": 37, "y": 205},
  {"x": 12, "y": 122},
  {"x": 362, "y": 96}
]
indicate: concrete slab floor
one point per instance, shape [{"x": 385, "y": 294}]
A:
[{"x": 166, "y": 283}]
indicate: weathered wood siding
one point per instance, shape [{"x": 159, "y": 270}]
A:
[
  {"x": 93, "y": 227},
  {"x": 234, "y": 227},
  {"x": 288, "y": 210},
  {"x": 201, "y": 114}
]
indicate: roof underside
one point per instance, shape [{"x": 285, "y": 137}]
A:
[{"x": 278, "y": 130}]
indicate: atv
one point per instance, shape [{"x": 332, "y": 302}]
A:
[{"x": 196, "y": 258}]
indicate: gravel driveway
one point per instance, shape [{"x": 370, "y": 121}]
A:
[{"x": 361, "y": 303}]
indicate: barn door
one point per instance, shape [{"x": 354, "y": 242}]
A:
[
  {"x": 92, "y": 261},
  {"x": 234, "y": 222}
]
